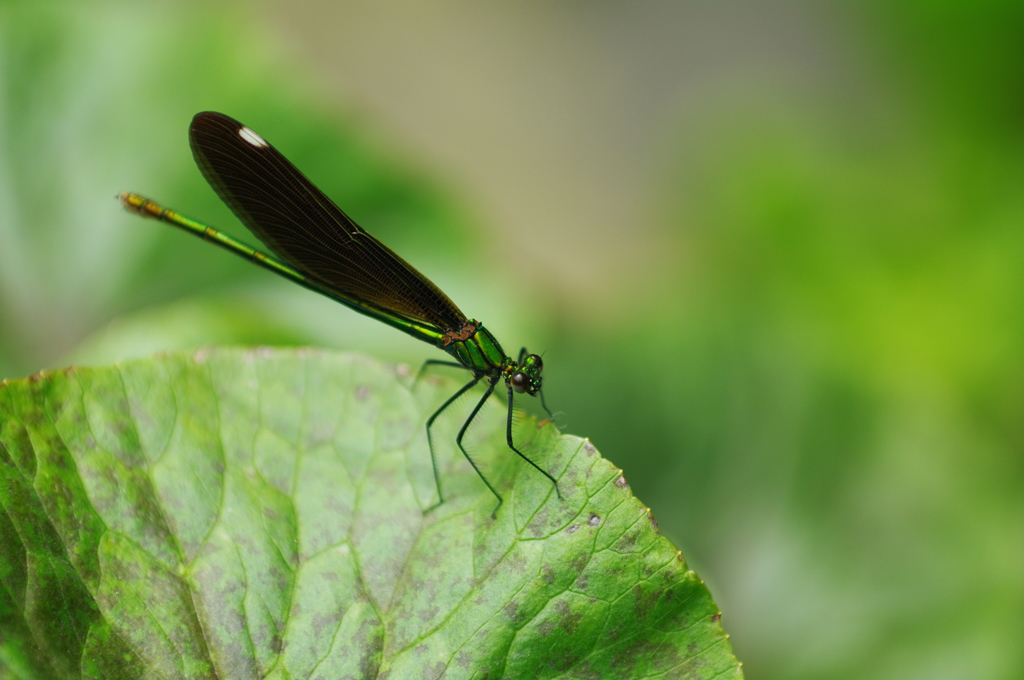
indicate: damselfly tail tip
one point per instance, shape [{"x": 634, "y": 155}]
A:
[
  {"x": 129, "y": 200},
  {"x": 138, "y": 204}
]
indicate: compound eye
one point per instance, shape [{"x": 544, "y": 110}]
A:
[
  {"x": 519, "y": 381},
  {"x": 535, "y": 360}
]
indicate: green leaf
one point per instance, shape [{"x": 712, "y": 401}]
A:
[{"x": 237, "y": 514}]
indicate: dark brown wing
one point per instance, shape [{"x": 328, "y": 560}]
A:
[{"x": 304, "y": 228}]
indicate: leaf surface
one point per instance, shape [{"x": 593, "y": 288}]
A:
[{"x": 241, "y": 514}]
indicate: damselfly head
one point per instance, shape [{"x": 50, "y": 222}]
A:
[{"x": 526, "y": 377}]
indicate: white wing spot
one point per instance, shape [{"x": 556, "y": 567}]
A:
[{"x": 251, "y": 137}]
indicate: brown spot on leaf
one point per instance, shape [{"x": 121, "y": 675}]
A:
[
  {"x": 621, "y": 482},
  {"x": 581, "y": 584},
  {"x": 586, "y": 671},
  {"x": 626, "y": 542},
  {"x": 546, "y": 627},
  {"x": 717, "y": 616},
  {"x": 593, "y": 520},
  {"x": 538, "y": 526},
  {"x": 644, "y": 599},
  {"x": 652, "y": 654},
  {"x": 570, "y": 619},
  {"x": 548, "y": 574},
  {"x": 654, "y": 522},
  {"x": 517, "y": 562}
]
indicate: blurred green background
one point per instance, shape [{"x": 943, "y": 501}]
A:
[{"x": 773, "y": 254}]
